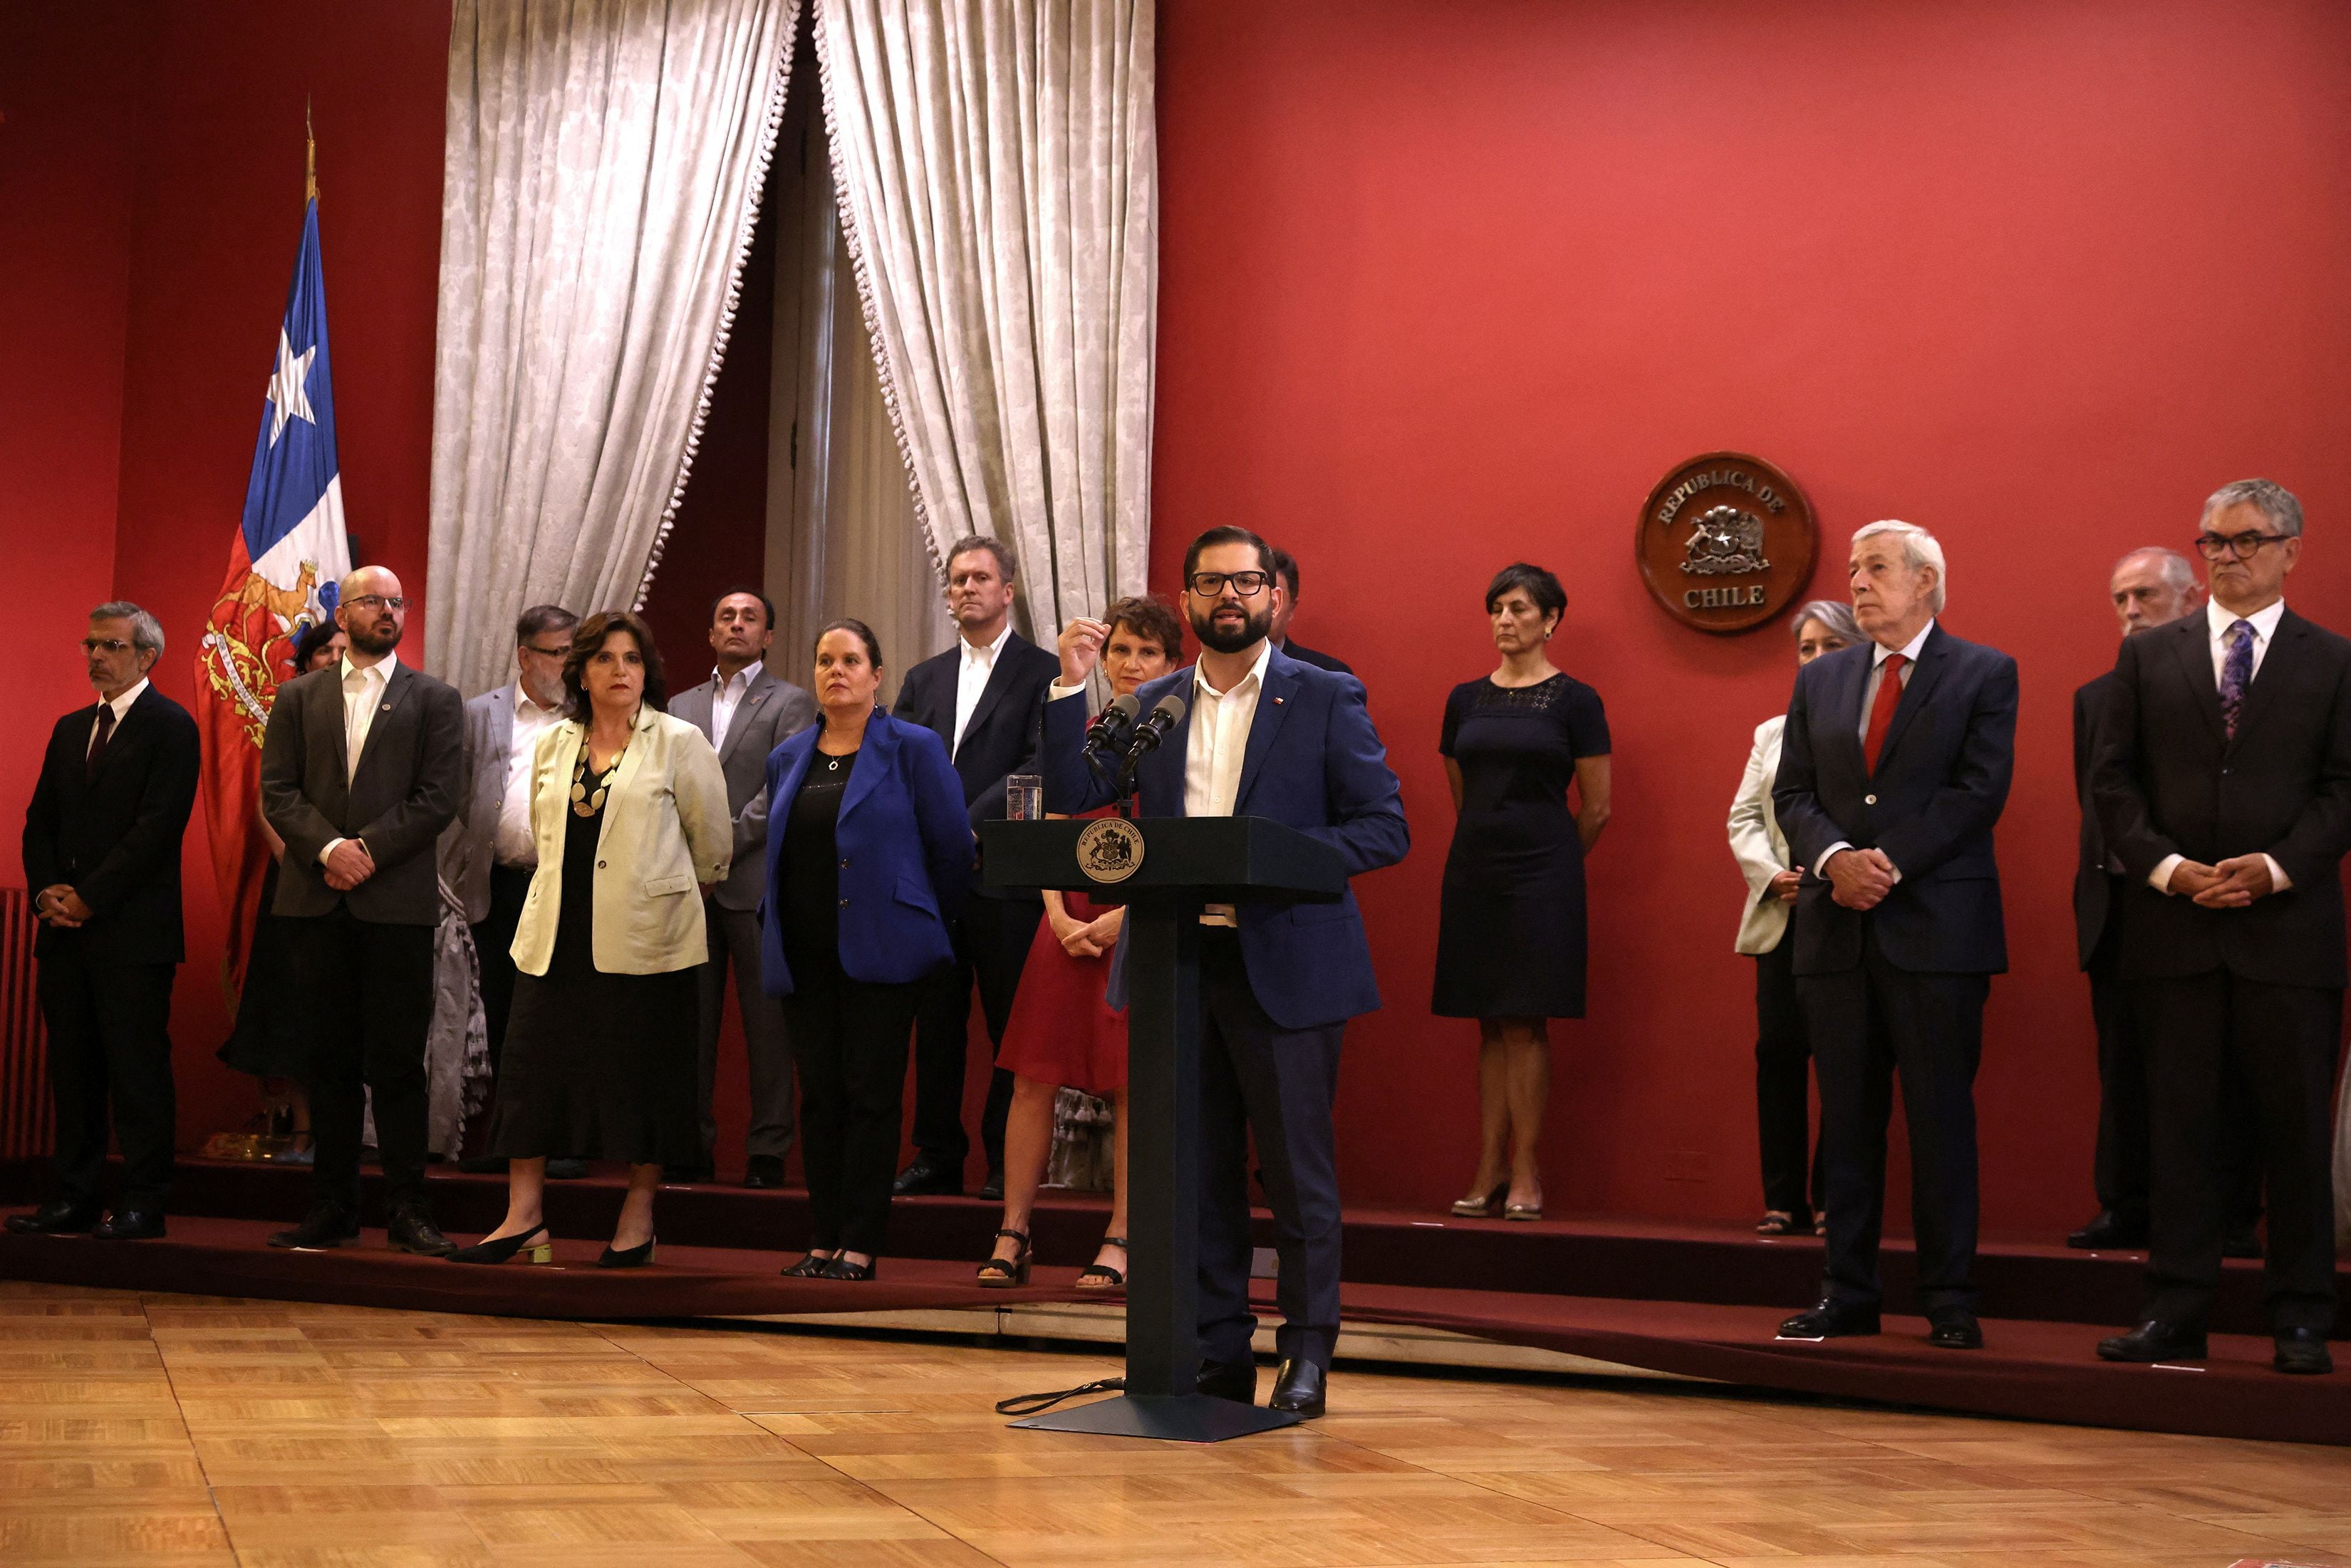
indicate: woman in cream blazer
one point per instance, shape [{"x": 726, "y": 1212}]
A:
[
  {"x": 628, "y": 809},
  {"x": 1782, "y": 1049}
]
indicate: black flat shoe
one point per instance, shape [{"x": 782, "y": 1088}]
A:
[
  {"x": 843, "y": 1269},
  {"x": 58, "y": 1217},
  {"x": 2153, "y": 1341},
  {"x": 412, "y": 1230},
  {"x": 1831, "y": 1319},
  {"x": 503, "y": 1250},
  {"x": 130, "y": 1225},
  {"x": 1954, "y": 1328},
  {"x": 809, "y": 1266},
  {"x": 764, "y": 1171},
  {"x": 327, "y": 1225},
  {"x": 923, "y": 1179},
  {"x": 1233, "y": 1380},
  {"x": 1103, "y": 1277},
  {"x": 1003, "y": 1273},
  {"x": 2304, "y": 1352},
  {"x": 2109, "y": 1233},
  {"x": 992, "y": 1189},
  {"x": 1298, "y": 1388},
  {"x": 636, "y": 1257}
]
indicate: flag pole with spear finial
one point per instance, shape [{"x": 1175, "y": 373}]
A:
[{"x": 310, "y": 154}]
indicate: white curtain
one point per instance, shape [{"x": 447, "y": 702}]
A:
[
  {"x": 998, "y": 185},
  {"x": 603, "y": 175}
]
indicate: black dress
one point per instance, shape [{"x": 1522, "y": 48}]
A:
[
  {"x": 598, "y": 1066},
  {"x": 1510, "y": 934},
  {"x": 267, "y": 1039}
]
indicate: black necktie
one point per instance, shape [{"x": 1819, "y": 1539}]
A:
[{"x": 98, "y": 742}]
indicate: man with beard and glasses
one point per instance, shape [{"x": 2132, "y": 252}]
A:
[
  {"x": 1266, "y": 737},
  {"x": 361, "y": 768}
]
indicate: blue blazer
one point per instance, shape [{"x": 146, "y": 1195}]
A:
[
  {"x": 1941, "y": 781},
  {"x": 1314, "y": 763},
  {"x": 906, "y": 850}
]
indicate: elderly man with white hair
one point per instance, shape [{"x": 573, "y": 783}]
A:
[{"x": 1894, "y": 767}]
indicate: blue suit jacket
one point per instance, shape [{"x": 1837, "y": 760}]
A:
[
  {"x": 1942, "y": 781},
  {"x": 906, "y": 850},
  {"x": 1313, "y": 763}
]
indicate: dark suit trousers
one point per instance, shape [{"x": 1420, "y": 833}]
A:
[
  {"x": 368, "y": 988},
  {"x": 110, "y": 1046},
  {"x": 494, "y": 948},
  {"x": 1867, "y": 1025},
  {"x": 1279, "y": 1084},
  {"x": 992, "y": 940},
  {"x": 1783, "y": 1105},
  {"x": 850, "y": 1040},
  {"x": 2285, "y": 1036},
  {"x": 735, "y": 939}
]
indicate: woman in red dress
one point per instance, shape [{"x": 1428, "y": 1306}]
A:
[{"x": 1061, "y": 1032}]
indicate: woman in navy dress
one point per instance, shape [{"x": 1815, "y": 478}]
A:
[{"x": 1510, "y": 934}]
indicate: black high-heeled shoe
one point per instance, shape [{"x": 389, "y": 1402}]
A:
[
  {"x": 636, "y": 1257},
  {"x": 809, "y": 1266},
  {"x": 841, "y": 1267},
  {"x": 1003, "y": 1273},
  {"x": 1102, "y": 1276},
  {"x": 503, "y": 1250}
]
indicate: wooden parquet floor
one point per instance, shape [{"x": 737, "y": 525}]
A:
[{"x": 156, "y": 1429}]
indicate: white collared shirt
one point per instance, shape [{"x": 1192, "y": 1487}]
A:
[
  {"x": 2217, "y": 624},
  {"x": 1219, "y": 744},
  {"x": 121, "y": 707},
  {"x": 972, "y": 670},
  {"x": 727, "y": 692},
  {"x": 1879, "y": 653},
  {"x": 516, "y": 848},
  {"x": 363, "y": 691}
]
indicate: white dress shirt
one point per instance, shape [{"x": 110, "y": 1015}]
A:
[
  {"x": 363, "y": 691},
  {"x": 972, "y": 671},
  {"x": 516, "y": 847},
  {"x": 727, "y": 694},
  {"x": 1878, "y": 655},
  {"x": 121, "y": 707},
  {"x": 2216, "y": 622}
]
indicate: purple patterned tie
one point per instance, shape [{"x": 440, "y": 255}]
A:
[{"x": 2236, "y": 673}]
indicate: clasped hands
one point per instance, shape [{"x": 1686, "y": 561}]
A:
[
  {"x": 1859, "y": 879},
  {"x": 1088, "y": 938},
  {"x": 60, "y": 907},
  {"x": 348, "y": 864},
  {"x": 2231, "y": 885}
]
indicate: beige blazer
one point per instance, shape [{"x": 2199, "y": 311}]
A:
[
  {"x": 1756, "y": 842},
  {"x": 666, "y": 831}
]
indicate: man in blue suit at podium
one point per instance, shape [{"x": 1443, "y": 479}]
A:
[{"x": 1263, "y": 736}]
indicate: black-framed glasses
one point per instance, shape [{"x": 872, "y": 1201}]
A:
[
  {"x": 104, "y": 645},
  {"x": 545, "y": 653},
  {"x": 392, "y": 602},
  {"x": 1248, "y": 584},
  {"x": 2244, "y": 546}
]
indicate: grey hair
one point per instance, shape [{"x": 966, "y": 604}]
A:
[
  {"x": 1920, "y": 547},
  {"x": 2176, "y": 570},
  {"x": 1834, "y": 613},
  {"x": 146, "y": 631},
  {"x": 2267, "y": 497}
]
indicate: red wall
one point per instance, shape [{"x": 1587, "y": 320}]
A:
[{"x": 1443, "y": 286}]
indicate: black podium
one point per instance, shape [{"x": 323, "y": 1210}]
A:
[{"x": 1164, "y": 869}]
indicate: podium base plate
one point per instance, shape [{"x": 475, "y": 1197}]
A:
[{"x": 1173, "y": 1417}]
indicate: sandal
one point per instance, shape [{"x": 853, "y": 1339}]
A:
[
  {"x": 1777, "y": 1222},
  {"x": 1523, "y": 1211},
  {"x": 1102, "y": 1276},
  {"x": 1002, "y": 1273},
  {"x": 812, "y": 1267}
]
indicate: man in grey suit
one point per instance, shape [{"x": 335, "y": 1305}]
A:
[
  {"x": 361, "y": 769},
  {"x": 746, "y": 712}
]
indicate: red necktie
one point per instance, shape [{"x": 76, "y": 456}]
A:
[{"x": 1881, "y": 712}]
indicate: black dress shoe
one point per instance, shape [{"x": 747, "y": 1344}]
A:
[
  {"x": 412, "y": 1230},
  {"x": 763, "y": 1170},
  {"x": 58, "y": 1217},
  {"x": 1954, "y": 1328},
  {"x": 1233, "y": 1380},
  {"x": 923, "y": 1179},
  {"x": 1298, "y": 1387},
  {"x": 2242, "y": 1242},
  {"x": 992, "y": 1188},
  {"x": 133, "y": 1222},
  {"x": 2109, "y": 1233},
  {"x": 565, "y": 1167},
  {"x": 483, "y": 1164},
  {"x": 327, "y": 1225},
  {"x": 2304, "y": 1351},
  {"x": 1831, "y": 1319},
  {"x": 2153, "y": 1341}
]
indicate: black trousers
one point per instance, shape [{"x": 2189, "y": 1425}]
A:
[
  {"x": 1258, "y": 1077},
  {"x": 367, "y": 988},
  {"x": 1784, "y": 1107},
  {"x": 2287, "y": 1039},
  {"x": 494, "y": 947},
  {"x": 1867, "y": 1025},
  {"x": 992, "y": 939},
  {"x": 848, "y": 1038},
  {"x": 735, "y": 941},
  {"x": 109, "y": 1050}
]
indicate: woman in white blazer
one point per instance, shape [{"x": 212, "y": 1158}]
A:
[
  {"x": 628, "y": 807},
  {"x": 1782, "y": 1049}
]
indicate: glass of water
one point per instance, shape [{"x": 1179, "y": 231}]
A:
[{"x": 1024, "y": 796}]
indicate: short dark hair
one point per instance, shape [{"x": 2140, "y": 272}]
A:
[
  {"x": 767, "y": 605},
  {"x": 543, "y": 618},
  {"x": 1285, "y": 567},
  {"x": 857, "y": 629},
  {"x": 589, "y": 640},
  {"x": 314, "y": 637},
  {"x": 1229, "y": 534},
  {"x": 1151, "y": 618},
  {"x": 1540, "y": 585},
  {"x": 1008, "y": 564}
]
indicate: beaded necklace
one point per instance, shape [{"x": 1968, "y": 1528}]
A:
[{"x": 585, "y": 803}]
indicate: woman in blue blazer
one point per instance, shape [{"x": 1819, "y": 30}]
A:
[{"x": 869, "y": 852}]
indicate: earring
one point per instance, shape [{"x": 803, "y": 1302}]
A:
[{"x": 1547, "y": 631}]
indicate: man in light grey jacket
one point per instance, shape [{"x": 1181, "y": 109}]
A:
[{"x": 746, "y": 712}]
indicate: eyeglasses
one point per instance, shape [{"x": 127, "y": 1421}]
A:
[
  {"x": 104, "y": 645},
  {"x": 392, "y": 602},
  {"x": 2244, "y": 546},
  {"x": 1248, "y": 584},
  {"x": 545, "y": 653}
]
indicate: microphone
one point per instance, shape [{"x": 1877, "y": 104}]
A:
[
  {"x": 1164, "y": 717},
  {"x": 1113, "y": 726}
]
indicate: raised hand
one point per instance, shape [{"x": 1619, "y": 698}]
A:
[{"x": 1081, "y": 647}]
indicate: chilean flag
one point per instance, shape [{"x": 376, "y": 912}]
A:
[{"x": 283, "y": 564}]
